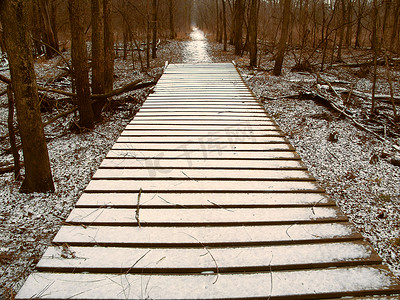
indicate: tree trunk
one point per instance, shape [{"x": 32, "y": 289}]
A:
[
  {"x": 172, "y": 33},
  {"x": 282, "y": 42},
  {"x": 341, "y": 30},
  {"x": 394, "y": 39},
  {"x": 79, "y": 63},
  {"x": 50, "y": 34},
  {"x": 253, "y": 22},
  {"x": 97, "y": 54},
  {"x": 108, "y": 47},
  {"x": 38, "y": 176},
  {"x": 349, "y": 23},
  {"x": 238, "y": 16},
  {"x": 11, "y": 132},
  {"x": 154, "y": 29},
  {"x": 375, "y": 48},
  {"x": 36, "y": 28},
  {"x": 224, "y": 23},
  {"x": 217, "y": 20}
]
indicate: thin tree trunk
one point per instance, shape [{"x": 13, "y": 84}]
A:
[
  {"x": 49, "y": 31},
  {"x": 224, "y": 23},
  {"x": 394, "y": 39},
  {"x": 97, "y": 54},
  {"x": 341, "y": 30},
  {"x": 38, "y": 176},
  {"x": 154, "y": 29},
  {"x": 79, "y": 63},
  {"x": 349, "y": 23},
  {"x": 282, "y": 42},
  {"x": 108, "y": 47},
  {"x": 148, "y": 44},
  {"x": 218, "y": 24},
  {"x": 11, "y": 133},
  {"x": 375, "y": 48},
  {"x": 172, "y": 33},
  {"x": 253, "y": 22},
  {"x": 238, "y": 16}
]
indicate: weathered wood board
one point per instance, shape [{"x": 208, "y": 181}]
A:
[{"x": 203, "y": 197}]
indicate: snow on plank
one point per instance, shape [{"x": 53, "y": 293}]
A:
[
  {"x": 319, "y": 283},
  {"x": 199, "y": 217},
  {"x": 216, "y": 236},
  {"x": 131, "y": 153},
  {"x": 204, "y": 139},
  {"x": 187, "y": 163},
  {"x": 209, "y": 147},
  {"x": 203, "y": 185},
  {"x": 231, "y": 134},
  {"x": 209, "y": 200},
  {"x": 194, "y": 260},
  {"x": 201, "y": 174}
]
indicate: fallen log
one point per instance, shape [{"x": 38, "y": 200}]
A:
[
  {"x": 380, "y": 62},
  {"x": 343, "y": 112},
  {"x": 98, "y": 97},
  {"x": 126, "y": 88}
]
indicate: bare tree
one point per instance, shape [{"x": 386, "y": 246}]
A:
[
  {"x": 97, "y": 54},
  {"x": 154, "y": 29},
  {"x": 238, "y": 18},
  {"x": 38, "y": 176},
  {"x": 80, "y": 63},
  {"x": 48, "y": 21},
  {"x": 172, "y": 33},
  {"x": 224, "y": 23},
  {"x": 253, "y": 23},
  {"x": 284, "y": 35},
  {"x": 108, "y": 47}
]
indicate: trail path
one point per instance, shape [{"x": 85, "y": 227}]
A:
[{"x": 196, "y": 50}]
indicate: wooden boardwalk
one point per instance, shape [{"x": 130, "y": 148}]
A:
[{"x": 203, "y": 197}]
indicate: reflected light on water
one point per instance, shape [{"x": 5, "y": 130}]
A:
[{"x": 196, "y": 50}]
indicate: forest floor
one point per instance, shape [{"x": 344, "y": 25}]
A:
[{"x": 353, "y": 166}]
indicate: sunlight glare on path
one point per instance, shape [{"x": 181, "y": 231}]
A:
[{"x": 196, "y": 48}]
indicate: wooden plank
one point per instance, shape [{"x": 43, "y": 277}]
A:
[
  {"x": 224, "y": 133},
  {"x": 256, "y": 112},
  {"x": 195, "y": 260},
  {"x": 205, "y": 217},
  {"x": 160, "y": 163},
  {"x": 201, "y": 174},
  {"x": 213, "y": 118},
  {"x": 134, "y": 236},
  {"x": 311, "y": 284},
  {"x": 238, "y": 99},
  {"x": 128, "y": 153},
  {"x": 200, "y": 104},
  {"x": 126, "y": 185},
  {"x": 220, "y": 148},
  {"x": 210, "y": 200},
  {"x": 198, "y": 115},
  {"x": 203, "y": 139},
  {"x": 209, "y": 128},
  {"x": 198, "y": 123},
  {"x": 204, "y": 147},
  {"x": 162, "y": 87}
]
